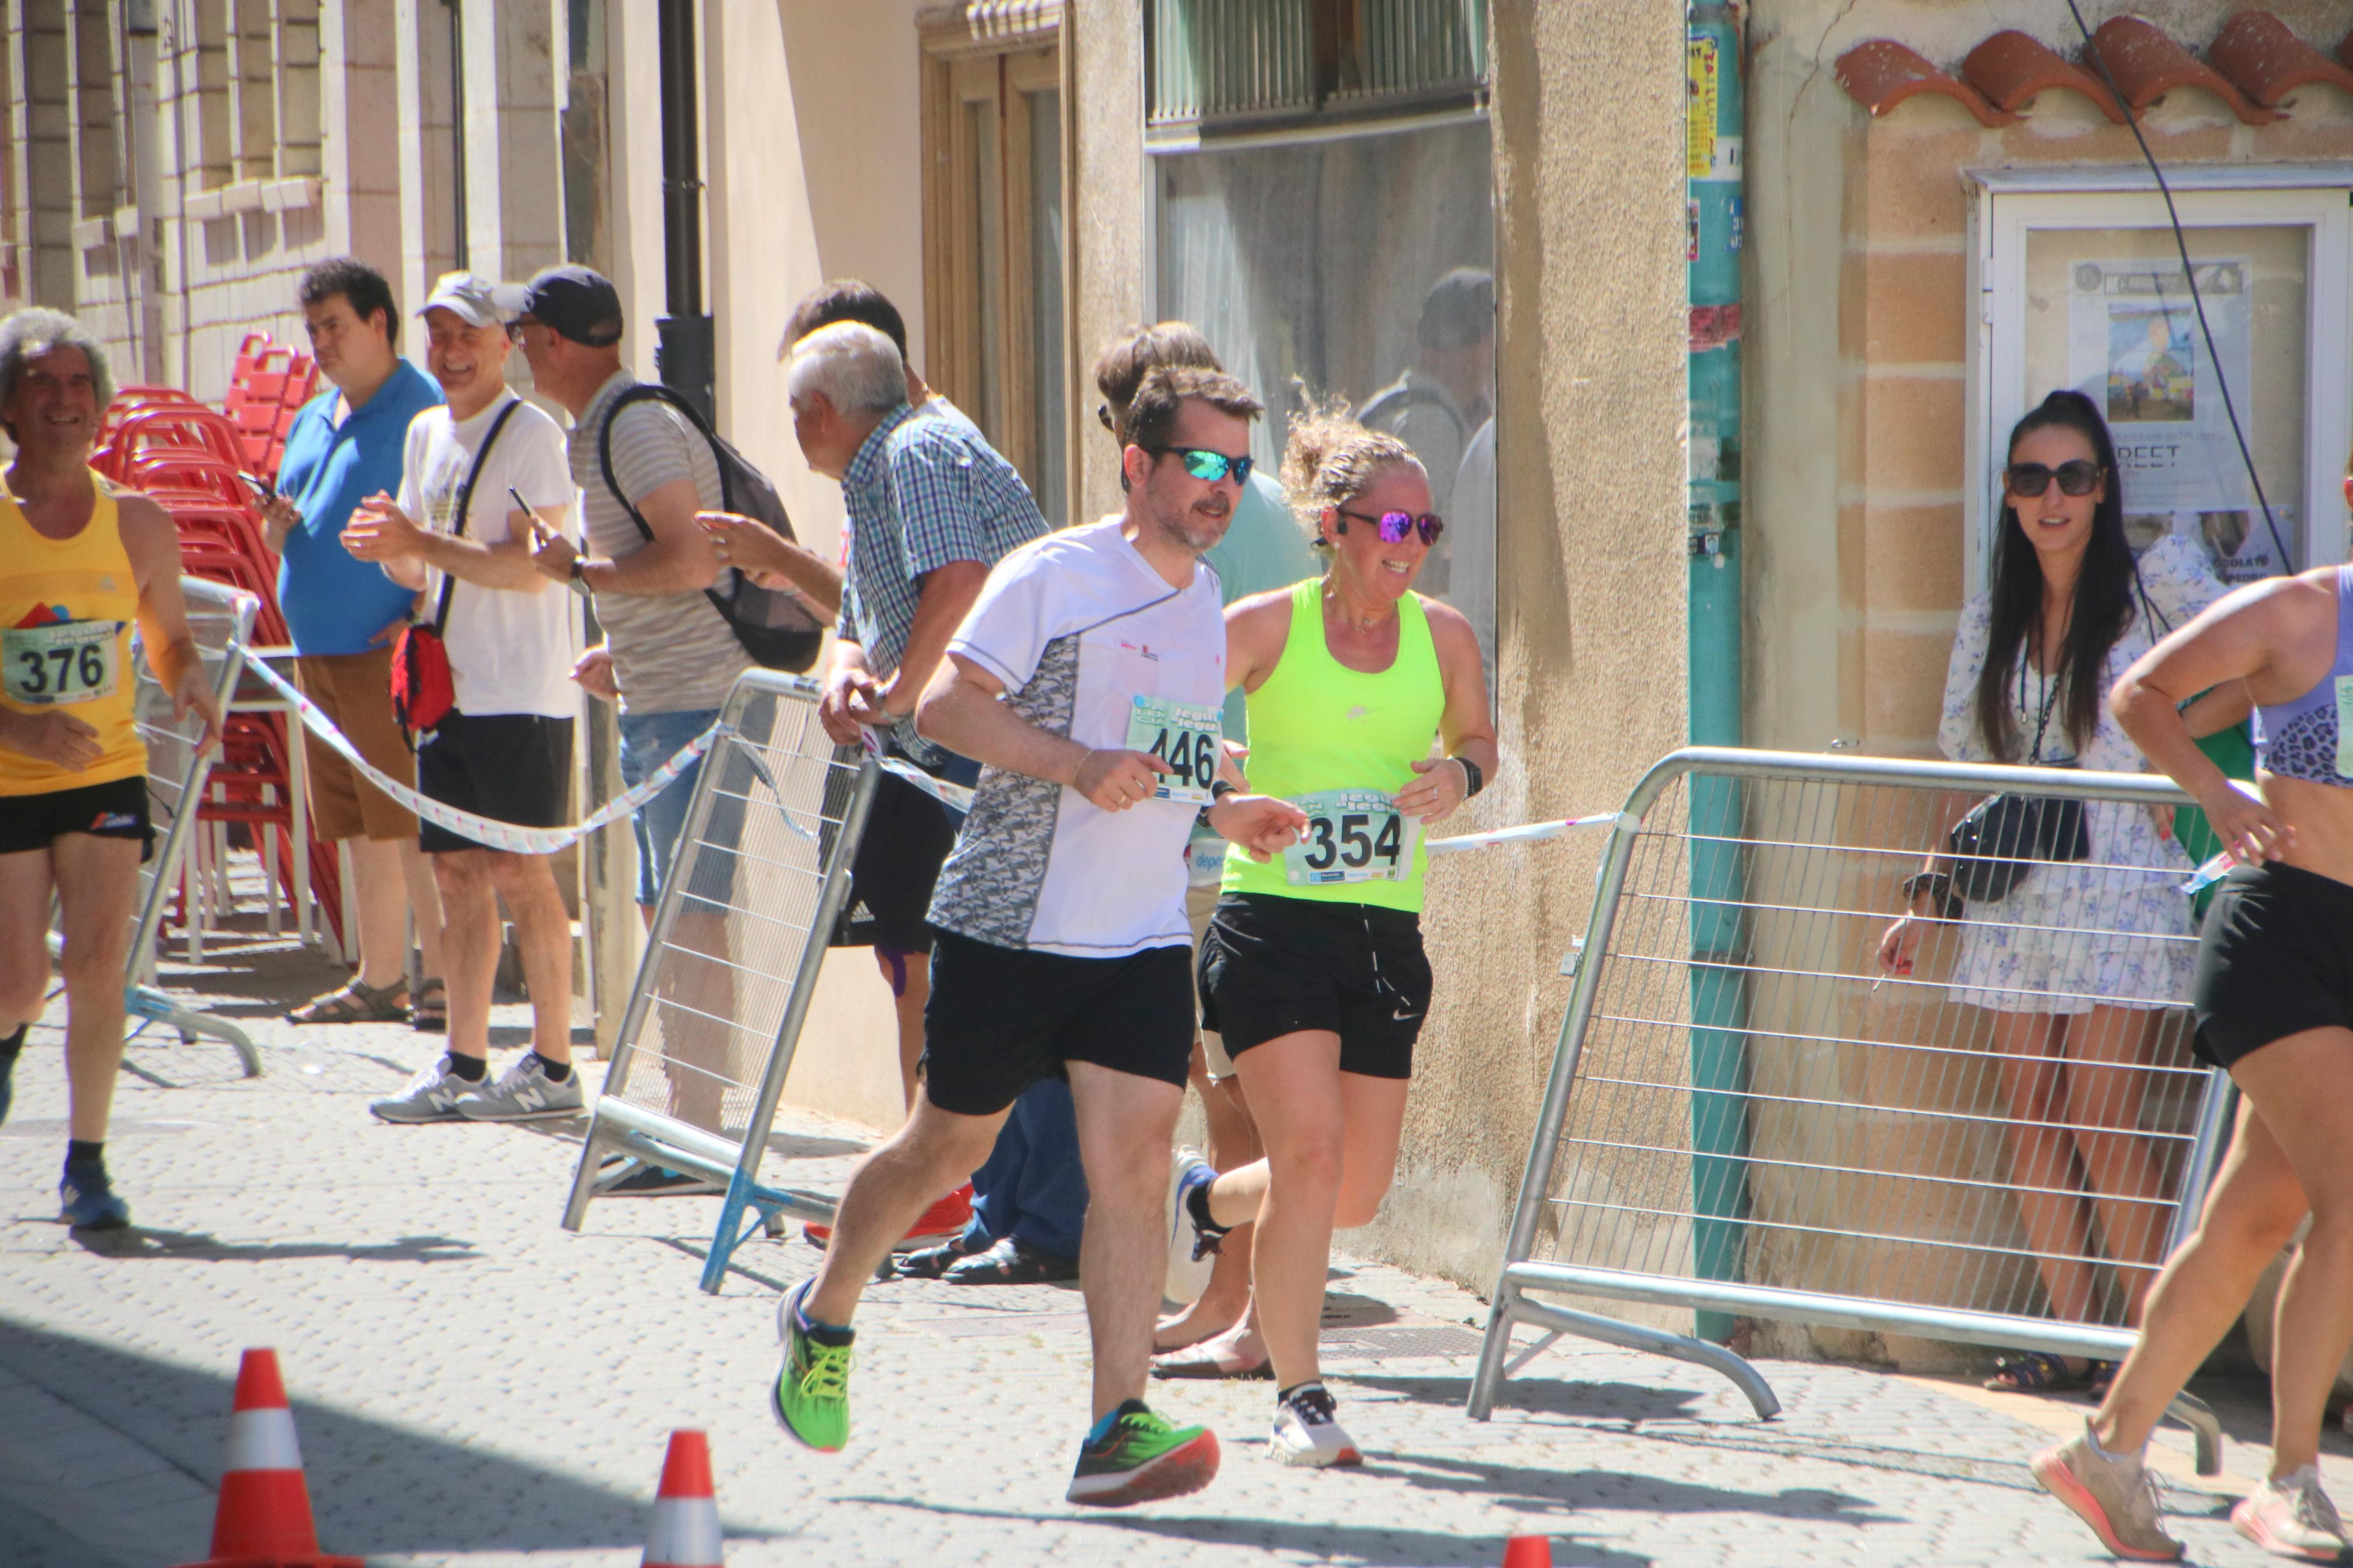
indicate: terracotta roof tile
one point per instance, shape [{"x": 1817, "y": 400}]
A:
[
  {"x": 2148, "y": 65},
  {"x": 2011, "y": 67},
  {"x": 2256, "y": 50},
  {"x": 1881, "y": 73}
]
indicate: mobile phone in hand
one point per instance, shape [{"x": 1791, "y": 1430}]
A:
[{"x": 577, "y": 586}]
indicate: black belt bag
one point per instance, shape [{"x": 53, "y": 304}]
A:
[{"x": 2005, "y": 836}]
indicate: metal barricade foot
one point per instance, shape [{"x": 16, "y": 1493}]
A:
[
  {"x": 144, "y": 1001},
  {"x": 1561, "y": 1321},
  {"x": 2204, "y": 1425}
]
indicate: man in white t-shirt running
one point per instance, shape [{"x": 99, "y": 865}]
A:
[
  {"x": 1087, "y": 680},
  {"x": 504, "y": 749}
]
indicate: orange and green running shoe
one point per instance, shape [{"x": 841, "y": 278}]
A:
[{"x": 1134, "y": 1455}]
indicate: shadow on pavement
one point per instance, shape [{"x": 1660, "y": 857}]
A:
[
  {"x": 146, "y": 1242},
  {"x": 1545, "y": 1397},
  {"x": 376, "y": 1490},
  {"x": 1366, "y": 1543},
  {"x": 1593, "y": 1491}
]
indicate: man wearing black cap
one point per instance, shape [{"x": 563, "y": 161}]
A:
[{"x": 668, "y": 658}]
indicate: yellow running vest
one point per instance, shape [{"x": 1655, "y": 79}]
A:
[
  {"x": 1341, "y": 744},
  {"x": 66, "y": 611}
]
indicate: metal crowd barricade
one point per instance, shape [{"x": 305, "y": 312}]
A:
[
  {"x": 738, "y": 936},
  {"x": 219, "y": 618},
  {"x": 1747, "y": 1115}
]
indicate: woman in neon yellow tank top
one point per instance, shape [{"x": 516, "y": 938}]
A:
[{"x": 1313, "y": 965}]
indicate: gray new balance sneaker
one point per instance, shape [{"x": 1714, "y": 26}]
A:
[
  {"x": 431, "y": 1096},
  {"x": 524, "y": 1093}
]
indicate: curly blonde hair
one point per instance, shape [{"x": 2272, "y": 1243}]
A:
[{"x": 1331, "y": 460}]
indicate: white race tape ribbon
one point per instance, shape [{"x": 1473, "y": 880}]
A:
[
  {"x": 958, "y": 797},
  {"x": 955, "y": 796},
  {"x": 496, "y": 834},
  {"x": 1529, "y": 832}
]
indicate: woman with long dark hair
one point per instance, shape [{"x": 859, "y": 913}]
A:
[{"x": 2062, "y": 962}]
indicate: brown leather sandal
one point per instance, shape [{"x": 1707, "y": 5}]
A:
[
  {"x": 357, "y": 1002},
  {"x": 430, "y": 1013}
]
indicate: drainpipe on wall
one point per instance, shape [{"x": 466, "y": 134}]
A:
[
  {"x": 143, "y": 279},
  {"x": 683, "y": 351},
  {"x": 1719, "y": 934}
]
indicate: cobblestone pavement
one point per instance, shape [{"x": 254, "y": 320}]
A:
[{"x": 475, "y": 1386}]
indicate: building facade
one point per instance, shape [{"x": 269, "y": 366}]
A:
[{"x": 1322, "y": 185}]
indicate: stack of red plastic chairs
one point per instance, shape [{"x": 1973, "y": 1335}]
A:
[
  {"x": 269, "y": 387},
  {"x": 190, "y": 458}
]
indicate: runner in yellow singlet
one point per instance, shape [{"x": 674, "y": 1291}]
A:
[
  {"x": 1313, "y": 964},
  {"x": 79, "y": 565}
]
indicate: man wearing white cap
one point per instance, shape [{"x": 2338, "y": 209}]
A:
[{"x": 503, "y": 748}]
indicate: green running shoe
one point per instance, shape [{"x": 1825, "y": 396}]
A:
[
  {"x": 1141, "y": 1458},
  {"x": 811, "y": 1395}
]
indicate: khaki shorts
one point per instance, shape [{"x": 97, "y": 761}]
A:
[
  {"x": 354, "y": 690},
  {"x": 1199, "y": 903}
]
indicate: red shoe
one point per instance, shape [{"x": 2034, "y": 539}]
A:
[{"x": 945, "y": 1218}]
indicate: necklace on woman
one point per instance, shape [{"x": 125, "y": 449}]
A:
[{"x": 1350, "y": 623}]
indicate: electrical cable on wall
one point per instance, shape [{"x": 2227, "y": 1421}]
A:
[{"x": 2189, "y": 272}]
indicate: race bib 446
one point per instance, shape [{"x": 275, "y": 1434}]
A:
[
  {"x": 1185, "y": 736},
  {"x": 59, "y": 663}
]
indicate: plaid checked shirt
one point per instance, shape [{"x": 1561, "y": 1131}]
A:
[{"x": 923, "y": 492}]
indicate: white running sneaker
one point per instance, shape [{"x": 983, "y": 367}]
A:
[
  {"x": 431, "y": 1096},
  {"x": 524, "y": 1093},
  {"x": 2291, "y": 1516},
  {"x": 1306, "y": 1432},
  {"x": 1187, "y": 1276}
]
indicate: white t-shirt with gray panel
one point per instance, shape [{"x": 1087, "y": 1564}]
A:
[
  {"x": 672, "y": 653},
  {"x": 1078, "y": 626}
]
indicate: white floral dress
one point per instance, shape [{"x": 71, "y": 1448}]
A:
[{"x": 2066, "y": 940}]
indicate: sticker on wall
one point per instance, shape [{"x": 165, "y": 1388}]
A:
[{"x": 1699, "y": 109}]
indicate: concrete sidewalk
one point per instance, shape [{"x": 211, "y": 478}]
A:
[{"x": 474, "y": 1386}]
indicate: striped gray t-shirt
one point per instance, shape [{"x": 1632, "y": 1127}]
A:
[{"x": 673, "y": 653}]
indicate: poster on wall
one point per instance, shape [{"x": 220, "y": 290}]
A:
[{"x": 2135, "y": 348}]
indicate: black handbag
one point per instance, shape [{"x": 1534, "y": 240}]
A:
[{"x": 2005, "y": 836}]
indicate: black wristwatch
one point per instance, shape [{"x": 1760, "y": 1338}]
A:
[{"x": 579, "y": 569}]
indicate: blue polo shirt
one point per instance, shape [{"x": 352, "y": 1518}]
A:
[{"x": 334, "y": 604}]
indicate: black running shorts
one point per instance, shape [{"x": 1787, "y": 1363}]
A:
[
  {"x": 1274, "y": 967},
  {"x": 116, "y": 809},
  {"x": 2275, "y": 958},
  {"x": 907, "y": 839},
  {"x": 1000, "y": 1019},
  {"x": 509, "y": 767}
]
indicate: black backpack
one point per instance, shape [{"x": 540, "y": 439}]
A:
[{"x": 776, "y": 629}]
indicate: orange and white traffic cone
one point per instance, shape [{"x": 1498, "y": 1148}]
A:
[
  {"x": 1528, "y": 1552},
  {"x": 264, "y": 1517},
  {"x": 685, "y": 1532}
]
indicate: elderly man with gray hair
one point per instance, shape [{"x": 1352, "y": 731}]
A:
[{"x": 932, "y": 506}]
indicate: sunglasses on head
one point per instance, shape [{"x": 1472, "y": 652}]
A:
[
  {"x": 1395, "y": 525},
  {"x": 2077, "y": 477},
  {"x": 1204, "y": 464}
]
